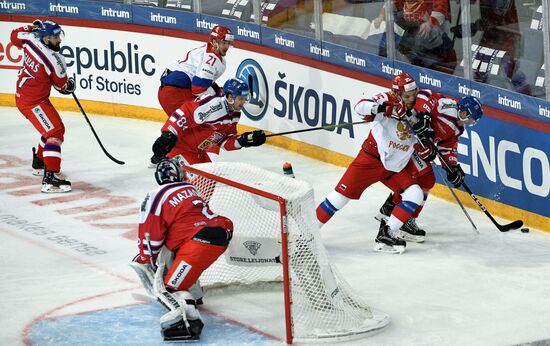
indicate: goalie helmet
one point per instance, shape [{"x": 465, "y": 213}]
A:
[
  {"x": 50, "y": 28},
  {"x": 472, "y": 106},
  {"x": 169, "y": 171},
  {"x": 403, "y": 82},
  {"x": 236, "y": 87},
  {"x": 220, "y": 32}
]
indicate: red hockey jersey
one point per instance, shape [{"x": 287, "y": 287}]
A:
[
  {"x": 172, "y": 215},
  {"x": 42, "y": 68}
]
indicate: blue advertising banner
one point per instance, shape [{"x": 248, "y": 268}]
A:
[
  {"x": 37, "y": 7},
  {"x": 243, "y": 31},
  {"x": 291, "y": 43},
  {"x": 507, "y": 163},
  {"x": 94, "y": 10},
  {"x": 160, "y": 17}
]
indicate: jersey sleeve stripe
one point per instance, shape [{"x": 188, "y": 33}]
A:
[
  {"x": 40, "y": 56},
  {"x": 201, "y": 82}
]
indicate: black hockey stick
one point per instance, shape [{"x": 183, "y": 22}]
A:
[
  {"x": 503, "y": 228},
  {"x": 326, "y": 127},
  {"x": 93, "y": 131}
]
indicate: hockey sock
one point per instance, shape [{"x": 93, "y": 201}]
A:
[
  {"x": 401, "y": 213},
  {"x": 332, "y": 203},
  {"x": 419, "y": 209},
  {"x": 41, "y": 145}
]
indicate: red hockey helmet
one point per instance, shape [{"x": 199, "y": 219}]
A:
[
  {"x": 403, "y": 82},
  {"x": 220, "y": 32}
]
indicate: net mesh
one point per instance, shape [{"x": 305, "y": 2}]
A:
[{"x": 323, "y": 305}]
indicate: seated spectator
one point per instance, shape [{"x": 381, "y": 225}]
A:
[{"x": 425, "y": 41}]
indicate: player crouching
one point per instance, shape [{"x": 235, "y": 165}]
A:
[{"x": 179, "y": 238}]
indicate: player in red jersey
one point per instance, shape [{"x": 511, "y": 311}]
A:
[
  {"x": 196, "y": 73},
  {"x": 442, "y": 127},
  {"x": 43, "y": 67},
  {"x": 177, "y": 226},
  {"x": 200, "y": 127}
]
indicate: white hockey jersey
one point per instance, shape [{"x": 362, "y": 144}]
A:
[
  {"x": 394, "y": 138},
  {"x": 196, "y": 71}
]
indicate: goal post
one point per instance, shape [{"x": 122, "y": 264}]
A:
[{"x": 276, "y": 240}]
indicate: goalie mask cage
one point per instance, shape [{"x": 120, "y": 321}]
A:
[{"x": 276, "y": 238}]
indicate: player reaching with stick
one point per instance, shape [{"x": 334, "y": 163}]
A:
[
  {"x": 384, "y": 157},
  {"x": 437, "y": 130},
  {"x": 43, "y": 67},
  {"x": 177, "y": 220},
  {"x": 199, "y": 128},
  {"x": 196, "y": 73}
]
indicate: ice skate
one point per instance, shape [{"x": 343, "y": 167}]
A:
[
  {"x": 54, "y": 183},
  {"x": 37, "y": 164},
  {"x": 386, "y": 209},
  {"x": 411, "y": 232},
  {"x": 384, "y": 242}
]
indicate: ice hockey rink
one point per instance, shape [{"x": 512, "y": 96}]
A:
[{"x": 65, "y": 278}]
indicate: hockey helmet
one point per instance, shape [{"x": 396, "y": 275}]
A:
[
  {"x": 220, "y": 32},
  {"x": 50, "y": 28},
  {"x": 403, "y": 82},
  {"x": 472, "y": 106},
  {"x": 169, "y": 171},
  {"x": 236, "y": 87}
]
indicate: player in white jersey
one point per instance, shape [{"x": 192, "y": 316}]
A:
[
  {"x": 384, "y": 157},
  {"x": 196, "y": 73}
]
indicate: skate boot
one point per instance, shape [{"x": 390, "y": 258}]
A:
[
  {"x": 53, "y": 183},
  {"x": 37, "y": 164},
  {"x": 411, "y": 232},
  {"x": 386, "y": 209},
  {"x": 384, "y": 242}
]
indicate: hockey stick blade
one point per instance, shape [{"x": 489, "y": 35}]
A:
[
  {"x": 95, "y": 134},
  {"x": 513, "y": 225}
]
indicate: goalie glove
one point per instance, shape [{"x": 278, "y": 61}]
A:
[
  {"x": 163, "y": 145},
  {"x": 455, "y": 175},
  {"x": 425, "y": 150},
  {"x": 252, "y": 139},
  {"x": 423, "y": 126},
  {"x": 70, "y": 87}
]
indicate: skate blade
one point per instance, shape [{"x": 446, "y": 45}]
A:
[
  {"x": 37, "y": 172},
  {"x": 181, "y": 339},
  {"x": 381, "y": 247},
  {"x": 152, "y": 165},
  {"x": 49, "y": 188},
  {"x": 379, "y": 217},
  {"x": 412, "y": 238}
]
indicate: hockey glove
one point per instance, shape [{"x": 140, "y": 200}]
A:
[
  {"x": 217, "y": 89},
  {"x": 70, "y": 88},
  {"x": 455, "y": 175},
  {"x": 36, "y": 24},
  {"x": 394, "y": 110},
  {"x": 251, "y": 139},
  {"x": 423, "y": 126},
  {"x": 163, "y": 145},
  {"x": 425, "y": 150}
]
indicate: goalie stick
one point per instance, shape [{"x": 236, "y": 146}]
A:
[
  {"x": 503, "y": 228},
  {"x": 95, "y": 134}
]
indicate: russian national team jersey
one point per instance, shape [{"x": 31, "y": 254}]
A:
[
  {"x": 42, "y": 68},
  {"x": 172, "y": 215},
  {"x": 203, "y": 123},
  {"x": 394, "y": 139},
  {"x": 196, "y": 71}
]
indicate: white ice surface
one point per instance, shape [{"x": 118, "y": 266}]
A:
[{"x": 457, "y": 288}]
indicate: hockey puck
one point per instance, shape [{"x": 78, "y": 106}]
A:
[{"x": 525, "y": 230}]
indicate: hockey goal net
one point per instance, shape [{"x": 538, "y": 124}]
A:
[{"x": 276, "y": 239}]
